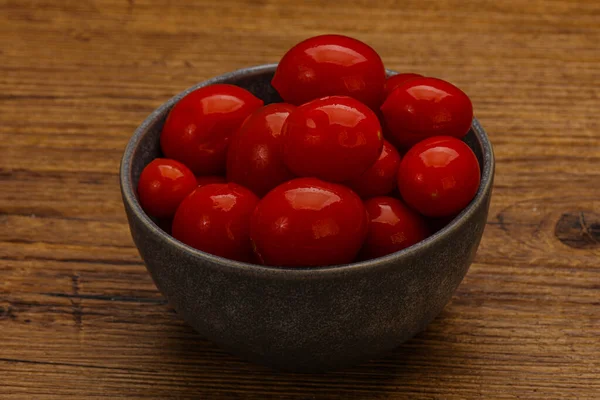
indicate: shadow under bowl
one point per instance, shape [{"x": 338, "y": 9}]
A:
[{"x": 303, "y": 319}]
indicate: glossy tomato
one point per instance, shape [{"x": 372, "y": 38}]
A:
[
  {"x": 439, "y": 176},
  {"x": 426, "y": 107},
  {"x": 254, "y": 158},
  {"x": 163, "y": 185},
  {"x": 216, "y": 219},
  {"x": 335, "y": 138},
  {"x": 330, "y": 65},
  {"x": 395, "y": 81},
  {"x": 199, "y": 127},
  {"x": 393, "y": 226},
  {"x": 380, "y": 178},
  {"x": 308, "y": 222},
  {"x": 207, "y": 180}
]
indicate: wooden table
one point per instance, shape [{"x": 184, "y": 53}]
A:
[{"x": 80, "y": 316}]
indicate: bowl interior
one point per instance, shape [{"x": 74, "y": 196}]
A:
[{"x": 144, "y": 147}]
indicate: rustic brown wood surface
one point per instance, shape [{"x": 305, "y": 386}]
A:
[{"x": 80, "y": 316}]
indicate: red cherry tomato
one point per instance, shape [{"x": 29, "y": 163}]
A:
[
  {"x": 330, "y": 65},
  {"x": 199, "y": 127},
  {"x": 380, "y": 179},
  {"x": 216, "y": 219},
  {"x": 439, "y": 176},
  {"x": 207, "y": 180},
  {"x": 254, "y": 159},
  {"x": 392, "y": 227},
  {"x": 426, "y": 107},
  {"x": 335, "y": 138},
  {"x": 308, "y": 222},
  {"x": 395, "y": 81},
  {"x": 163, "y": 185}
]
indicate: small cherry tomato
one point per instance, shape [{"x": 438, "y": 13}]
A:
[
  {"x": 335, "y": 138},
  {"x": 393, "y": 226},
  {"x": 439, "y": 176},
  {"x": 216, "y": 219},
  {"x": 207, "y": 180},
  {"x": 426, "y": 107},
  {"x": 199, "y": 127},
  {"x": 380, "y": 179},
  {"x": 163, "y": 185},
  {"x": 330, "y": 65},
  {"x": 254, "y": 158},
  {"x": 395, "y": 81},
  {"x": 308, "y": 222}
]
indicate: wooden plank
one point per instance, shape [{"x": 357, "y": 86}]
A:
[{"x": 81, "y": 317}]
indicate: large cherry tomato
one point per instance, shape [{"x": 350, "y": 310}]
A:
[
  {"x": 395, "y": 81},
  {"x": 392, "y": 227},
  {"x": 254, "y": 158},
  {"x": 199, "y": 127},
  {"x": 216, "y": 219},
  {"x": 335, "y": 138},
  {"x": 439, "y": 176},
  {"x": 330, "y": 65},
  {"x": 380, "y": 179},
  {"x": 163, "y": 185},
  {"x": 308, "y": 222},
  {"x": 207, "y": 180},
  {"x": 426, "y": 107}
]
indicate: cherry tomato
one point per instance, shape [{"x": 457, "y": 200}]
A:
[
  {"x": 216, "y": 219},
  {"x": 395, "y": 81},
  {"x": 254, "y": 159},
  {"x": 380, "y": 179},
  {"x": 308, "y": 222},
  {"x": 207, "y": 180},
  {"x": 335, "y": 138},
  {"x": 199, "y": 127},
  {"x": 392, "y": 227},
  {"x": 163, "y": 185},
  {"x": 426, "y": 107},
  {"x": 439, "y": 176},
  {"x": 330, "y": 65}
]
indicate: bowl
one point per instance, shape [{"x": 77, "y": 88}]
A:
[{"x": 303, "y": 319}]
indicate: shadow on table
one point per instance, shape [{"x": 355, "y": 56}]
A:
[{"x": 415, "y": 367}]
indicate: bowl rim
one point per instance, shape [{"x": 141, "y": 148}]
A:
[{"x": 130, "y": 198}]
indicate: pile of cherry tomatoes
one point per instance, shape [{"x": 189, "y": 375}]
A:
[{"x": 351, "y": 166}]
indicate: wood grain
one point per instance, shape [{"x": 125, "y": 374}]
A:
[{"x": 81, "y": 318}]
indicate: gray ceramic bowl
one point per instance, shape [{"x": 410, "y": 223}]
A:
[{"x": 303, "y": 319}]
